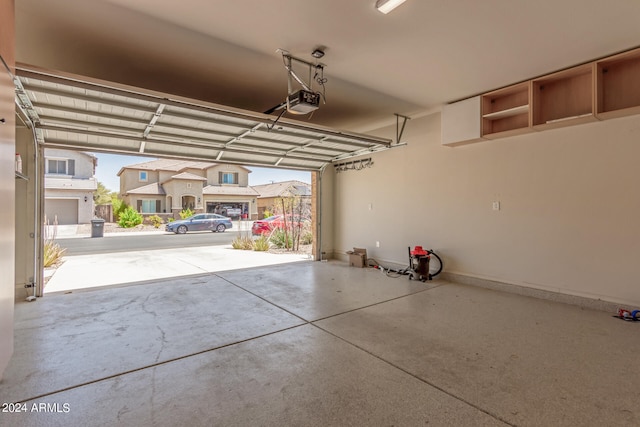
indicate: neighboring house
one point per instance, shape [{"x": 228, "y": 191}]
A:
[
  {"x": 169, "y": 186},
  {"x": 270, "y": 194},
  {"x": 69, "y": 184}
]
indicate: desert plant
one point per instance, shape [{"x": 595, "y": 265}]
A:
[
  {"x": 261, "y": 244},
  {"x": 53, "y": 254},
  {"x": 307, "y": 238},
  {"x": 52, "y": 251},
  {"x": 242, "y": 242},
  {"x": 129, "y": 218},
  {"x": 154, "y": 220},
  {"x": 186, "y": 213},
  {"x": 280, "y": 239}
]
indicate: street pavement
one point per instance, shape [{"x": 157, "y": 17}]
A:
[{"x": 107, "y": 269}]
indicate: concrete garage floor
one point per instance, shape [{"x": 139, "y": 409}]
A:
[{"x": 318, "y": 344}]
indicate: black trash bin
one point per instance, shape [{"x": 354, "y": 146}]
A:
[{"x": 97, "y": 227}]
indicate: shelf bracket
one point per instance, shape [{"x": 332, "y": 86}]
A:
[{"x": 400, "y": 129}]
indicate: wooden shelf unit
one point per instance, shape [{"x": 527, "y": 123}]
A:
[
  {"x": 602, "y": 89},
  {"x": 564, "y": 98},
  {"x": 618, "y": 85},
  {"x": 506, "y": 111}
]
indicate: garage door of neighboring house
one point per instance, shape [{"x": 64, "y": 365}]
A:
[{"x": 65, "y": 209}]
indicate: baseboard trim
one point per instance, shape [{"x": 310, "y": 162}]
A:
[{"x": 585, "y": 302}]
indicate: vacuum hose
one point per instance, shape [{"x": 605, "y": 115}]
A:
[{"x": 431, "y": 252}]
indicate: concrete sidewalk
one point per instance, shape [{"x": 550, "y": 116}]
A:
[{"x": 91, "y": 271}]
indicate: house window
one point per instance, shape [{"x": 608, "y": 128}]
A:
[
  {"x": 143, "y": 176},
  {"x": 61, "y": 167},
  {"x": 228, "y": 177},
  {"x": 148, "y": 206}
]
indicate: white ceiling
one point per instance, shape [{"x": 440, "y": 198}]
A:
[{"x": 423, "y": 54}]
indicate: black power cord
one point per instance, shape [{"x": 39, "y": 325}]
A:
[{"x": 395, "y": 273}]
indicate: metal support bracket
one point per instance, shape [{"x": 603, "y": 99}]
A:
[{"x": 400, "y": 130}]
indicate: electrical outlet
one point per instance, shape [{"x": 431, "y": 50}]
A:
[
  {"x": 496, "y": 206},
  {"x": 377, "y": 244}
]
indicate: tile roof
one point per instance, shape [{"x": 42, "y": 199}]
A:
[
  {"x": 229, "y": 190},
  {"x": 149, "y": 189},
  {"x": 170, "y": 165},
  {"x": 279, "y": 189},
  {"x": 189, "y": 176}
]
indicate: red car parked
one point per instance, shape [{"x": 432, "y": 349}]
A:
[{"x": 267, "y": 225}]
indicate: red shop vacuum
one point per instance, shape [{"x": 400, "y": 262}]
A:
[{"x": 420, "y": 264}]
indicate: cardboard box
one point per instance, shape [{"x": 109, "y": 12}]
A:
[{"x": 358, "y": 257}]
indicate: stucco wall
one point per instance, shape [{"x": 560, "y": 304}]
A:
[
  {"x": 130, "y": 179},
  {"x": 568, "y": 218},
  {"x": 78, "y": 186},
  {"x": 243, "y": 174},
  {"x": 84, "y": 163},
  {"x": 85, "y": 209},
  {"x": 178, "y": 188}
]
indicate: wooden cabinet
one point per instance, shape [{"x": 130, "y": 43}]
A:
[
  {"x": 618, "y": 85},
  {"x": 599, "y": 90},
  {"x": 461, "y": 122},
  {"x": 564, "y": 98},
  {"x": 506, "y": 111}
]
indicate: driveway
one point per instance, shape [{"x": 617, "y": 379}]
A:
[
  {"x": 123, "y": 242},
  {"x": 125, "y": 267}
]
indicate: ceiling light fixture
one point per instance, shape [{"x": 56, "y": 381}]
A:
[{"x": 386, "y": 6}]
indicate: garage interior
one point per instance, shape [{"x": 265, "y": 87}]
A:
[{"x": 537, "y": 225}]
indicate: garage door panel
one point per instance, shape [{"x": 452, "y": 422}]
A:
[
  {"x": 92, "y": 115},
  {"x": 65, "y": 210}
]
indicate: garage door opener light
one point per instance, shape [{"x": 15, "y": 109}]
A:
[{"x": 386, "y": 6}]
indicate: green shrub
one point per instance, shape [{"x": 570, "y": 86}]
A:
[
  {"x": 242, "y": 242},
  {"x": 307, "y": 238},
  {"x": 171, "y": 219},
  {"x": 261, "y": 244},
  {"x": 129, "y": 218},
  {"x": 118, "y": 206},
  {"x": 267, "y": 213},
  {"x": 281, "y": 240},
  {"x": 154, "y": 220},
  {"x": 186, "y": 213}
]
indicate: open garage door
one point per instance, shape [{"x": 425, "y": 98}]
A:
[
  {"x": 75, "y": 112},
  {"x": 70, "y": 111}
]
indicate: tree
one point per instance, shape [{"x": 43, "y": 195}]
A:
[
  {"x": 102, "y": 195},
  {"x": 295, "y": 212}
]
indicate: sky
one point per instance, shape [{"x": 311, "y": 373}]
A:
[{"x": 110, "y": 164}]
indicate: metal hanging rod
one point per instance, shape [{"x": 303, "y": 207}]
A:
[{"x": 354, "y": 165}]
